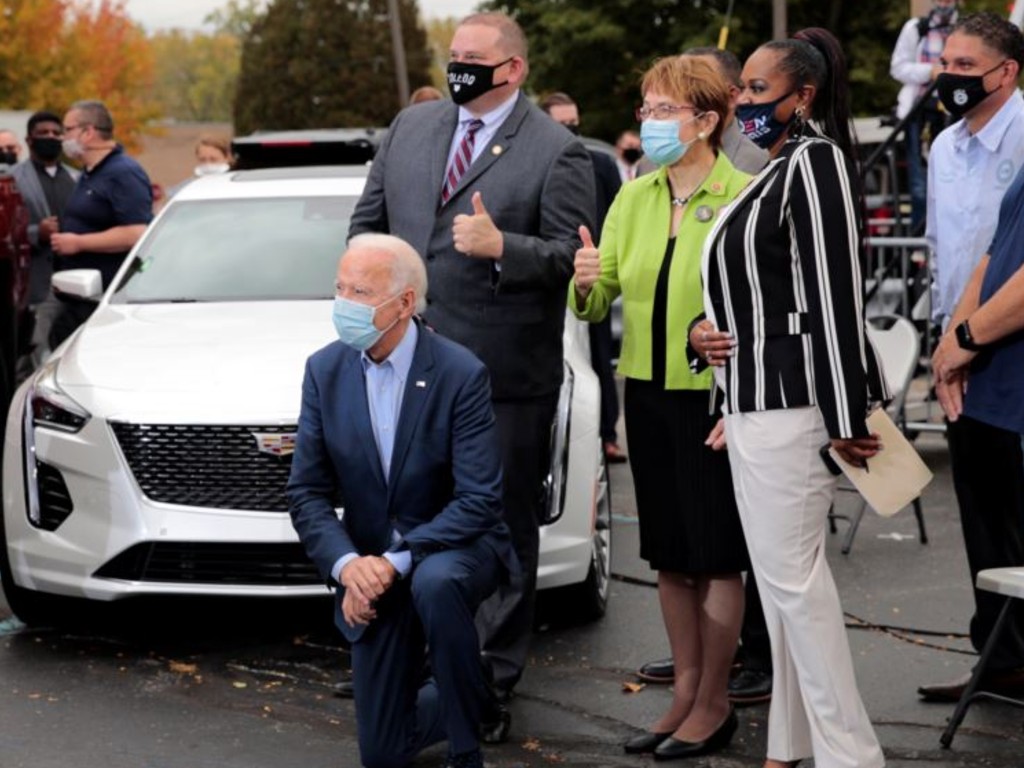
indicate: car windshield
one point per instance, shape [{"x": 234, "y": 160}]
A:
[{"x": 241, "y": 250}]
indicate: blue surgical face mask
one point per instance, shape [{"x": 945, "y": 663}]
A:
[
  {"x": 759, "y": 124},
  {"x": 354, "y": 322},
  {"x": 660, "y": 140}
]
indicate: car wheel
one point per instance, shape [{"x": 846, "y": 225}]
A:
[
  {"x": 32, "y": 608},
  {"x": 588, "y": 600}
]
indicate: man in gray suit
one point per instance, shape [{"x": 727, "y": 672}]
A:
[
  {"x": 46, "y": 185},
  {"x": 493, "y": 191}
]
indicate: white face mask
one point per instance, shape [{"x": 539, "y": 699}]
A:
[
  {"x": 73, "y": 148},
  {"x": 208, "y": 169}
]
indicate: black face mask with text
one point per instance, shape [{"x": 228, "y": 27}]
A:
[
  {"x": 960, "y": 94},
  {"x": 468, "y": 81}
]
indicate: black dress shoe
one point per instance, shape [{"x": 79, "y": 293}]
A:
[
  {"x": 345, "y": 689},
  {"x": 660, "y": 671},
  {"x": 466, "y": 760},
  {"x": 1008, "y": 682},
  {"x": 675, "y": 749},
  {"x": 750, "y": 686},
  {"x": 494, "y": 727},
  {"x": 645, "y": 742}
]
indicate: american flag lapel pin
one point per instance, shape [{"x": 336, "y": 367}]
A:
[{"x": 421, "y": 383}]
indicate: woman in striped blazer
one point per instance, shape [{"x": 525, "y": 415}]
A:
[{"x": 784, "y": 329}]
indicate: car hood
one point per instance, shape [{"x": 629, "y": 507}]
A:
[{"x": 195, "y": 363}]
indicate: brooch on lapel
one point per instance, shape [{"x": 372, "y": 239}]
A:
[
  {"x": 704, "y": 213},
  {"x": 497, "y": 149}
]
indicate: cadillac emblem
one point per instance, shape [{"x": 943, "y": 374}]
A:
[{"x": 278, "y": 444}]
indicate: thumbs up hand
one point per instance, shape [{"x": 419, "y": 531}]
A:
[
  {"x": 588, "y": 265},
  {"x": 475, "y": 234}
]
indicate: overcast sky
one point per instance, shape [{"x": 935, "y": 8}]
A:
[{"x": 189, "y": 14}]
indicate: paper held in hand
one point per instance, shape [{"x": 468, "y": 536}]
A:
[{"x": 895, "y": 477}]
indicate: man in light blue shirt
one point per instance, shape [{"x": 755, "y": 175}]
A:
[
  {"x": 974, "y": 161},
  {"x": 972, "y": 167}
]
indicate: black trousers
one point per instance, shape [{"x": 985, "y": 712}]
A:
[
  {"x": 601, "y": 360},
  {"x": 988, "y": 476},
  {"x": 505, "y": 620}
]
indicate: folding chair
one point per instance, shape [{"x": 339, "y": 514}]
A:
[
  {"x": 1002, "y": 581},
  {"x": 898, "y": 345}
]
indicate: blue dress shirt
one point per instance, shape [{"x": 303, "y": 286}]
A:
[{"x": 385, "y": 388}]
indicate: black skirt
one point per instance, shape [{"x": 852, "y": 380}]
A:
[{"x": 684, "y": 494}]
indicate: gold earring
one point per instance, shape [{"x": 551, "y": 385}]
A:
[
  {"x": 701, "y": 136},
  {"x": 800, "y": 112}
]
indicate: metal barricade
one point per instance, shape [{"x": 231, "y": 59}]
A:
[{"x": 902, "y": 266}]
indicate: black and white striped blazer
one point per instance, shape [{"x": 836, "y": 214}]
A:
[{"x": 782, "y": 274}]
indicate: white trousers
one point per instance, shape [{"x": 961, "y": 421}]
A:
[{"x": 784, "y": 491}]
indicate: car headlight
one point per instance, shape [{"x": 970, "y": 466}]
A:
[
  {"x": 50, "y": 406},
  {"x": 47, "y": 500}
]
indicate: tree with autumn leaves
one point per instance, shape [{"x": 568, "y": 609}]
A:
[{"x": 56, "y": 52}]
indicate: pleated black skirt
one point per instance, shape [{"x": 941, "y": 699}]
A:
[{"x": 684, "y": 494}]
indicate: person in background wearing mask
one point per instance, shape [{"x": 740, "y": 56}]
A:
[
  {"x": 498, "y": 238},
  {"x": 915, "y": 63},
  {"x": 213, "y": 156},
  {"x": 972, "y": 165},
  {"x": 10, "y": 150},
  {"x": 422, "y": 541},
  {"x": 689, "y": 527},
  {"x": 628, "y": 152},
  {"x": 562, "y": 109},
  {"x": 107, "y": 212},
  {"x": 46, "y": 184}
]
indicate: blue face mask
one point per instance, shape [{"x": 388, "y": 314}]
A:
[
  {"x": 660, "y": 140},
  {"x": 354, "y": 322},
  {"x": 759, "y": 124}
]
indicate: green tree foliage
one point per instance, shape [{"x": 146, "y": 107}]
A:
[
  {"x": 597, "y": 50},
  {"x": 325, "y": 63},
  {"x": 196, "y": 74}
]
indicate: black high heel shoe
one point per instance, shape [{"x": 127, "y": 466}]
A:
[
  {"x": 646, "y": 742},
  {"x": 675, "y": 749}
]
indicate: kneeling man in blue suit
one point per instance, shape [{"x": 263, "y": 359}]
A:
[{"x": 397, "y": 430}]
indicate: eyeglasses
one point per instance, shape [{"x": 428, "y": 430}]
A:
[{"x": 661, "y": 111}]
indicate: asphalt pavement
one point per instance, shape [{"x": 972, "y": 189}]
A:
[{"x": 198, "y": 684}]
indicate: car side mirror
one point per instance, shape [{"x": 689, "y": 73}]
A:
[{"x": 83, "y": 283}]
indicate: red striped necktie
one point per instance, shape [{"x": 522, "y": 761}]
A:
[{"x": 461, "y": 161}]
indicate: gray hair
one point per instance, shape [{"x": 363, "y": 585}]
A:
[
  {"x": 407, "y": 269},
  {"x": 96, "y": 114}
]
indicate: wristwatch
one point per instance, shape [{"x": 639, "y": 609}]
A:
[{"x": 965, "y": 339}]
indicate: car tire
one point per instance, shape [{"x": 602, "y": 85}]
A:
[
  {"x": 587, "y": 601},
  {"x": 32, "y": 608}
]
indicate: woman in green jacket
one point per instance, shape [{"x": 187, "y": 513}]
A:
[{"x": 690, "y": 532}]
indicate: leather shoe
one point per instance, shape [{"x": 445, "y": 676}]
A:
[
  {"x": 660, "y": 671},
  {"x": 344, "y": 690},
  {"x": 1008, "y": 682},
  {"x": 467, "y": 760},
  {"x": 494, "y": 728},
  {"x": 675, "y": 749},
  {"x": 645, "y": 742},
  {"x": 750, "y": 686}
]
